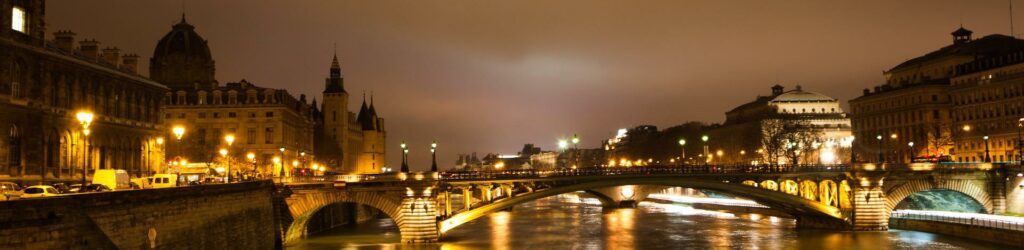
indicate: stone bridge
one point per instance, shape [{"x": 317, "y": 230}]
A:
[{"x": 838, "y": 197}]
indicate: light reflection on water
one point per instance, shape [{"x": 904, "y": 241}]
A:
[{"x": 571, "y": 222}]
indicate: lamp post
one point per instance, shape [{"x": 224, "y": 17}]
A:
[
  {"x": 283, "y": 172},
  {"x": 575, "y": 150},
  {"x": 276, "y": 161},
  {"x": 987, "y": 158},
  {"x": 967, "y": 129},
  {"x": 1020, "y": 142},
  {"x": 85, "y": 119},
  {"x": 230, "y": 139},
  {"x": 893, "y": 146},
  {"x": 405, "y": 158},
  {"x": 682, "y": 148},
  {"x": 252, "y": 160},
  {"x": 881, "y": 155},
  {"x": 707, "y": 156},
  {"x": 912, "y": 153},
  {"x": 433, "y": 156}
]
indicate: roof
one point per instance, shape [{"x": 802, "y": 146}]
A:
[
  {"x": 983, "y": 47},
  {"x": 799, "y": 95},
  {"x": 183, "y": 40}
]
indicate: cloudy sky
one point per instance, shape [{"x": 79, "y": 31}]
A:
[{"x": 489, "y": 76}]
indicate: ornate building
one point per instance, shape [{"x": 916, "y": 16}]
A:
[
  {"x": 787, "y": 126},
  {"x": 270, "y": 123},
  {"x": 263, "y": 120},
  {"x": 914, "y": 104},
  {"x": 43, "y": 84},
  {"x": 349, "y": 142},
  {"x": 988, "y": 98}
]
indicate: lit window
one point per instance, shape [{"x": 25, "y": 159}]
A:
[{"x": 19, "y": 20}]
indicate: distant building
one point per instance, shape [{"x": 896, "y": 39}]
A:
[
  {"x": 988, "y": 98},
  {"x": 915, "y": 103},
  {"x": 263, "y": 120},
  {"x": 794, "y": 126},
  {"x": 43, "y": 84}
]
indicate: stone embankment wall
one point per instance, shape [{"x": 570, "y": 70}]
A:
[
  {"x": 993, "y": 235},
  {"x": 225, "y": 216}
]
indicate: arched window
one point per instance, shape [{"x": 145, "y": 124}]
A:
[{"x": 14, "y": 150}]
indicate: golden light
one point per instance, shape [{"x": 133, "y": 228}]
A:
[
  {"x": 627, "y": 192},
  {"x": 276, "y": 160},
  {"x": 967, "y": 128},
  {"x": 682, "y": 142},
  {"x": 719, "y": 153},
  {"x": 223, "y": 152},
  {"x": 893, "y": 136},
  {"x": 230, "y": 138},
  {"x": 295, "y": 163},
  {"x": 183, "y": 162},
  {"x": 159, "y": 141},
  {"x": 86, "y": 132},
  {"x": 499, "y": 165},
  {"x": 743, "y": 152},
  {"x": 250, "y": 156},
  {"x": 178, "y": 131},
  {"x": 84, "y": 118}
]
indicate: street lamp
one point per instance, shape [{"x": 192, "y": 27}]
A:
[
  {"x": 707, "y": 156},
  {"x": 230, "y": 139},
  {"x": 283, "y": 172},
  {"x": 224, "y": 154},
  {"x": 252, "y": 160},
  {"x": 912, "y": 152},
  {"x": 405, "y": 158},
  {"x": 987, "y": 158},
  {"x": 178, "y": 132},
  {"x": 682, "y": 147},
  {"x": 1020, "y": 141},
  {"x": 85, "y": 119},
  {"x": 563, "y": 144},
  {"x": 433, "y": 156},
  {"x": 276, "y": 160},
  {"x": 881, "y": 157}
]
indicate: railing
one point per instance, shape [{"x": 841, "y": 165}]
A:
[
  {"x": 645, "y": 170},
  {"x": 980, "y": 220}
]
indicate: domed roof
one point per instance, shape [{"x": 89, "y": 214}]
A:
[
  {"x": 183, "y": 40},
  {"x": 799, "y": 95}
]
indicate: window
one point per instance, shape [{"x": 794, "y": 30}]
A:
[
  {"x": 167, "y": 116},
  {"x": 216, "y": 115},
  {"x": 181, "y": 115},
  {"x": 202, "y": 115},
  {"x": 250, "y": 136},
  {"x": 270, "y": 114},
  {"x": 252, "y": 115},
  {"x": 231, "y": 114},
  {"x": 19, "y": 19},
  {"x": 334, "y": 116},
  {"x": 268, "y": 136},
  {"x": 201, "y": 136}
]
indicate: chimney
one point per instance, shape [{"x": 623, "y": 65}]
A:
[
  {"x": 867, "y": 91},
  {"x": 112, "y": 55},
  {"x": 89, "y": 48},
  {"x": 64, "y": 40},
  {"x": 130, "y": 63}
]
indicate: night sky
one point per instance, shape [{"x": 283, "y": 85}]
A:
[{"x": 489, "y": 76}]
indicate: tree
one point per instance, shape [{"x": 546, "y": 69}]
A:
[
  {"x": 787, "y": 138},
  {"x": 939, "y": 136},
  {"x": 773, "y": 132}
]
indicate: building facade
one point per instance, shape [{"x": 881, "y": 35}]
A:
[
  {"x": 263, "y": 120},
  {"x": 911, "y": 114},
  {"x": 794, "y": 126},
  {"x": 45, "y": 83},
  {"x": 988, "y": 107},
  {"x": 349, "y": 142}
]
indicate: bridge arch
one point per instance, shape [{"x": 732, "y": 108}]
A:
[
  {"x": 814, "y": 212},
  {"x": 304, "y": 205},
  {"x": 974, "y": 189}
]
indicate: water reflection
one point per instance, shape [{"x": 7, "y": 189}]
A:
[{"x": 571, "y": 222}]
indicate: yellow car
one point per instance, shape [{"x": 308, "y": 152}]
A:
[{"x": 39, "y": 191}]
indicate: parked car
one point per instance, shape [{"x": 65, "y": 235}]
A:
[
  {"x": 39, "y": 191},
  {"x": 77, "y": 188},
  {"x": 61, "y": 187},
  {"x": 9, "y": 191},
  {"x": 164, "y": 180}
]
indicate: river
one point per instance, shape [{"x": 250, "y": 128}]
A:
[{"x": 570, "y": 222}]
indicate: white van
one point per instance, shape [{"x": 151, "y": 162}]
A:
[
  {"x": 115, "y": 179},
  {"x": 163, "y": 180}
]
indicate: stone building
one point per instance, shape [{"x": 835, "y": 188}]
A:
[
  {"x": 263, "y": 120},
  {"x": 349, "y": 142},
  {"x": 988, "y": 98},
  {"x": 44, "y": 83},
  {"x": 795, "y": 126},
  {"x": 914, "y": 105}
]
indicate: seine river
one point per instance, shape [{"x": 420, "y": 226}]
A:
[{"x": 569, "y": 222}]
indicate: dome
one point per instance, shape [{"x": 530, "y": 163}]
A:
[
  {"x": 799, "y": 95},
  {"x": 183, "y": 40}
]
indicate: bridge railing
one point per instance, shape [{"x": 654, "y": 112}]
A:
[
  {"x": 980, "y": 220},
  {"x": 644, "y": 170}
]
